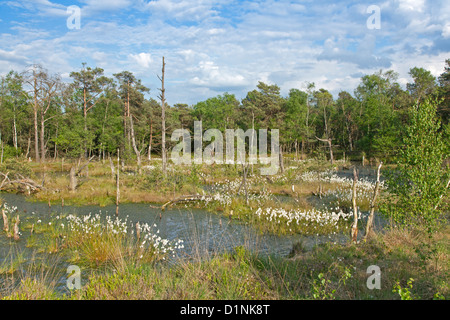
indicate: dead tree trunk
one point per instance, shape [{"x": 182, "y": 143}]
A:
[
  {"x": 163, "y": 119},
  {"x": 280, "y": 157},
  {"x": 42, "y": 136},
  {"x": 138, "y": 231},
  {"x": 330, "y": 146},
  {"x": 5, "y": 221},
  {"x": 111, "y": 164},
  {"x": 150, "y": 142},
  {"x": 86, "y": 165},
  {"x": 16, "y": 229},
  {"x": 133, "y": 142},
  {"x": 369, "y": 225},
  {"x": 28, "y": 147},
  {"x": 35, "y": 114},
  {"x": 244, "y": 182},
  {"x": 1, "y": 156},
  {"x": 354, "y": 233},
  {"x": 14, "y": 127},
  {"x": 72, "y": 179},
  {"x": 117, "y": 185}
]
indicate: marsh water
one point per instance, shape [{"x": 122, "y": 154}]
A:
[{"x": 202, "y": 232}]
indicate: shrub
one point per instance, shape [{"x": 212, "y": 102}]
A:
[{"x": 418, "y": 185}]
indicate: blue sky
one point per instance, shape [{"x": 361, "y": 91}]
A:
[{"x": 217, "y": 46}]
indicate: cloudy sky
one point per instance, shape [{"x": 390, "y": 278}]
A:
[{"x": 217, "y": 46}]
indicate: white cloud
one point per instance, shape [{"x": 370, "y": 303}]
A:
[
  {"x": 142, "y": 59},
  {"x": 93, "y": 7},
  {"x": 210, "y": 75},
  {"x": 180, "y": 9},
  {"x": 446, "y": 30},
  {"x": 412, "y": 5},
  {"x": 43, "y": 7},
  {"x": 12, "y": 57}
]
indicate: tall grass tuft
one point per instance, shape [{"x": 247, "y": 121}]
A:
[{"x": 100, "y": 241}]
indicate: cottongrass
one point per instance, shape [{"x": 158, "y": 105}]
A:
[
  {"x": 311, "y": 221},
  {"x": 224, "y": 192},
  {"x": 8, "y": 209},
  {"x": 101, "y": 240}
]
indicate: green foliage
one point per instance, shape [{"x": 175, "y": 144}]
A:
[
  {"x": 418, "y": 185},
  {"x": 294, "y": 124},
  {"x": 424, "y": 83},
  {"x": 10, "y": 152},
  {"x": 323, "y": 287},
  {"x": 174, "y": 180},
  {"x": 15, "y": 166},
  {"x": 405, "y": 293},
  {"x": 217, "y": 112},
  {"x": 32, "y": 289}
]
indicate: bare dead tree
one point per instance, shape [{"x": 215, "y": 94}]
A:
[
  {"x": 5, "y": 221},
  {"x": 330, "y": 146},
  {"x": 117, "y": 184},
  {"x": 149, "y": 155},
  {"x": 163, "y": 119},
  {"x": 16, "y": 229},
  {"x": 85, "y": 165},
  {"x": 1, "y": 145},
  {"x": 138, "y": 231},
  {"x": 31, "y": 77},
  {"x": 244, "y": 182},
  {"x": 281, "y": 162},
  {"x": 50, "y": 86},
  {"x": 133, "y": 143},
  {"x": 369, "y": 225},
  {"x": 72, "y": 179},
  {"x": 111, "y": 165},
  {"x": 354, "y": 232}
]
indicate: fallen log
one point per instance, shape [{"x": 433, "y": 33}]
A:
[
  {"x": 19, "y": 181},
  {"x": 185, "y": 199}
]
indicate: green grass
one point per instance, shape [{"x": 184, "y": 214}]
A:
[{"x": 325, "y": 272}]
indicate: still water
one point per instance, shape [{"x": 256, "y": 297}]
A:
[{"x": 202, "y": 232}]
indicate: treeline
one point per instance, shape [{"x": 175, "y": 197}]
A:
[{"x": 41, "y": 117}]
